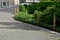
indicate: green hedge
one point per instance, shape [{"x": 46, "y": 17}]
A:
[
  {"x": 40, "y": 6},
  {"x": 22, "y": 8},
  {"x": 45, "y": 10}
]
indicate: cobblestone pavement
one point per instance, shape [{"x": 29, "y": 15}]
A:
[{"x": 11, "y": 29}]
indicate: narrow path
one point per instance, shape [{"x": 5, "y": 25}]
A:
[{"x": 11, "y": 29}]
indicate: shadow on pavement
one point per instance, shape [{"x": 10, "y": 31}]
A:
[
  {"x": 18, "y": 25},
  {"x": 8, "y": 10},
  {"x": 15, "y": 24}
]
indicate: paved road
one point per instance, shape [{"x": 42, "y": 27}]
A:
[{"x": 11, "y": 29}]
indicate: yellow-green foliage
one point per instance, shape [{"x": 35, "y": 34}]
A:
[
  {"x": 45, "y": 0},
  {"x": 48, "y": 0},
  {"x": 35, "y": 13}
]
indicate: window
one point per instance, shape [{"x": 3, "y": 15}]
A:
[
  {"x": 4, "y": 3},
  {"x": 29, "y": 0},
  {"x": 33, "y": 0},
  {"x": 37, "y": 0}
]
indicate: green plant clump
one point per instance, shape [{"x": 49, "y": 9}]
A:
[{"x": 43, "y": 13}]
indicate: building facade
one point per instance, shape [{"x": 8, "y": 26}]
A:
[
  {"x": 8, "y": 3},
  {"x": 32, "y": 0},
  {"x": 28, "y": 1},
  {"x": 22, "y": 1}
]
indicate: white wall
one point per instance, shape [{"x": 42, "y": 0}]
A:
[
  {"x": 29, "y": 0},
  {"x": 16, "y": 2},
  {"x": 32, "y": 0}
]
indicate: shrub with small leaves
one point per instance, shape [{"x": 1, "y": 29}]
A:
[
  {"x": 35, "y": 13},
  {"x": 22, "y": 8}
]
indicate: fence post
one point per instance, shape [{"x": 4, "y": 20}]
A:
[
  {"x": 18, "y": 9},
  {"x": 15, "y": 11},
  {"x": 37, "y": 22},
  {"x": 54, "y": 22},
  {"x": 26, "y": 15}
]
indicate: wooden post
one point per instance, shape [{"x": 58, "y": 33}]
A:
[
  {"x": 15, "y": 11},
  {"x": 18, "y": 9},
  {"x": 54, "y": 22},
  {"x": 37, "y": 19},
  {"x": 26, "y": 14}
]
